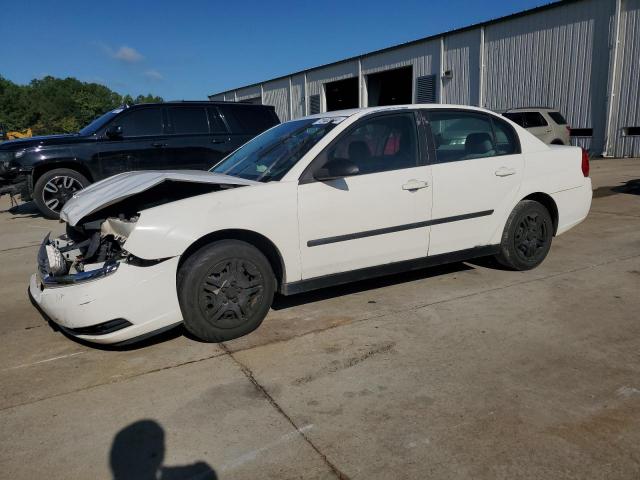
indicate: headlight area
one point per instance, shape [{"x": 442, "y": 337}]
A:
[{"x": 89, "y": 252}]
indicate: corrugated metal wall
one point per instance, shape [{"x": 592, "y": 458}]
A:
[
  {"x": 627, "y": 96},
  {"x": 556, "y": 58},
  {"x": 276, "y": 93},
  {"x": 462, "y": 58},
  {"x": 561, "y": 57},
  {"x": 248, "y": 92}
]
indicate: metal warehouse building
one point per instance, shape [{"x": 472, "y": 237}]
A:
[{"x": 579, "y": 56}]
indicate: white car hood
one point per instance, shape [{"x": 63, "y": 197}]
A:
[{"x": 116, "y": 188}]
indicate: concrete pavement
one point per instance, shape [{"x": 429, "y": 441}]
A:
[{"x": 463, "y": 371}]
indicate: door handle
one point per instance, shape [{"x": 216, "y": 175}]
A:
[
  {"x": 414, "y": 185},
  {"x": 159, "y": 145},
  {"x": 505, "y": 172},
  {"x": 217, "y": 141}
]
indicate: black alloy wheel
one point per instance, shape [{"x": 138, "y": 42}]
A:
[
  {"x": 527, "y": 236},
  {"x": 225, "y": 290}
]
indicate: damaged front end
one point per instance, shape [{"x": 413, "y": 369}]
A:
[{"x": 92, "y": 251}]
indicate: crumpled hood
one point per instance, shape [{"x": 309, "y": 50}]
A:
[{"x": 114, "y": 189}]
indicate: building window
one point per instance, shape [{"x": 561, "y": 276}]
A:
[{"x": 314, "y": 104}]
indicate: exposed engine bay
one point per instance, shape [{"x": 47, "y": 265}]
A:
[{"x": 96, "y": 243}]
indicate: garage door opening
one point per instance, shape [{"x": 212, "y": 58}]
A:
[
  {"x": 393, "y": 87},
  {"x": 341, "y": 94}
]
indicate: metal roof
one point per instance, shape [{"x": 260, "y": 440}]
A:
[{"x": 548, "y": 6}]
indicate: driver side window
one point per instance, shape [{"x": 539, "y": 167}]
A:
[
  {"x": 140, "y": 123},
  {"x": 379, "y": 144}
]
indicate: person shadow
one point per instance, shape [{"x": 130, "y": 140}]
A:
[{"x": 138, "y": 453}]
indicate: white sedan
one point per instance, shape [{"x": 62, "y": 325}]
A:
[{"x": 319, "y": 201}]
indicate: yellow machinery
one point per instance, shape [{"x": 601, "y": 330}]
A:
[{"x": 15, "y": 135}]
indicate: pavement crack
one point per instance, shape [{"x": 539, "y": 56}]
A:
[
  {"x": 249, "y": 374},
  {"x": 20, "y": 248}
]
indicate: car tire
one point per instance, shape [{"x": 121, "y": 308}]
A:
[
  {"x": 54, "y": 188},
  {"x": 225, "y": 290},
  {"x": 526, "y": 238}
]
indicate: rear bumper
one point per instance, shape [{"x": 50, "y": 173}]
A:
[
  {"x": 131, "y": 302},
  {"x": 573, "y": 206}
]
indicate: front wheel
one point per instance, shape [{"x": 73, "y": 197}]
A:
[
  {"x": 225, "y": 290},
  {"x": 55, "y": 188},
  {"x": 527, "y": 235}
]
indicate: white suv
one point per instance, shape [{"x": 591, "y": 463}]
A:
[
  {"x": 545, "y": 123},
  {"x": 318, "y": 201}
]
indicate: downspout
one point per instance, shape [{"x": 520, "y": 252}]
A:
[
  {"x": 613, "y": 77},
  {"x": 481, "y": 92},
  {"x": 441, "y": 92}
]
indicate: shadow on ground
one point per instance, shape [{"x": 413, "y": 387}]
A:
[
  {"x": 632, "y": 187},
  {"x": 138, "y": 452}
]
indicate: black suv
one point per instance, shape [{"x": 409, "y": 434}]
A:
[{"x": 152, "y": 136}]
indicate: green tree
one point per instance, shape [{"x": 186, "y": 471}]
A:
[{"x": 58, "y": 105}]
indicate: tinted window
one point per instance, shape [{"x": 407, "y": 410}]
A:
[
  {"x": 380, "y": 144},
  {"x": 217, "y": 126},
  {"x": 506, "y": 141},
  {"x": 516, "y": 117},
  {"x": 189, "y": 120},
  {"x": 247, "y": 118},
  {"x": 146, "y": 121},
  {"x": 558, "y": 118},
  {"x": 534, "y": 119}
]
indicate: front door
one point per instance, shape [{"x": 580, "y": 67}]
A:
[
  {"x": 477, "y": 174},
  {"x": 375, "y": 217},
  {"x": 141, "y": 145}
]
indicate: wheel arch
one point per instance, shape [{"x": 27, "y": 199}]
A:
[
  {"x": 547, "y": 202},
  {"x": 557, "y": 141},
  {"x": 257, "y": 240},
  {"x": 70, "y": 163}
]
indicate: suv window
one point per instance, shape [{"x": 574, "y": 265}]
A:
[
  {"x": 141, "y": 122},
  {"x": 379, "y": 144},
  {"x": 534, "y": 119},
  {"x": 558, "y": 118},
  {"x": 189, "y": 120},
  {"x": 247, "y": 118},
  {"x": 516, "y": 117},
  {"x": 217, "y": 126},
  {"x": 461, "y": 136}
]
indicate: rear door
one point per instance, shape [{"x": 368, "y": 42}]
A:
[
  {"x": 197, "y": 139},
  {"x": 141, "y": 146},
  {"x": 477, "y": 173}
]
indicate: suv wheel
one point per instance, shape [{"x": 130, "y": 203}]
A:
[
  {"x": 54, "y": 188},
  {"x": 526, "y": 239},
  {"x": 225, "y": 290}
]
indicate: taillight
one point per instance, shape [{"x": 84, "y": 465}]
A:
[{"x": 585, "y": 162}]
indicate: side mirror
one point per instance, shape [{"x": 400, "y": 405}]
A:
[
  {"x": 114, "y": 131},
  {"x": 336, "y": 168}
]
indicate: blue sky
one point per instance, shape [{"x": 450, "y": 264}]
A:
[{"x": 188, "y": 49}]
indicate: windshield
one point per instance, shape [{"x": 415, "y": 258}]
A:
[
  {"x": 271, "y": 155},
  {"x": 99, "y": 122}
]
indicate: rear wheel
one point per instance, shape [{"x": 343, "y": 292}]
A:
[
  {"x": 225, "y": 290},
  {"x": 527, "y": 235},
  {"x": 55, "y": 188}
]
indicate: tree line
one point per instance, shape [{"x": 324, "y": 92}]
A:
[{"x": 58, "y": 105}]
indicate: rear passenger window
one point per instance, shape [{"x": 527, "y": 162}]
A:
[
  {"x": 380, "y": 144},
  {"x": 534, "y": 119},
  {"x": 461, "y": 136},
  {"x": 142, "y": 122},
  {"x": 506, "y": 141},
  {"x": 515, "y": 117},
  {"x": 247, "y": 118},
  {"x": 189, "y": 120},
  {"x": 558, "y": 118}
]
